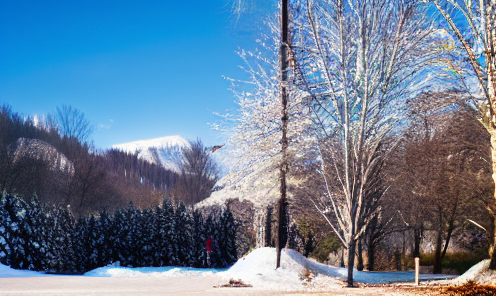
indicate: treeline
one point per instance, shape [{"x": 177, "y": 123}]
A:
[
  {"x": 55, "y": 162},
  {"x": 424, "y": 195},
  {"x": 48, "y": 238}
]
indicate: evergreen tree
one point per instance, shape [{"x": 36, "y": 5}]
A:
[
  {"x": 167, "y": 240},
  {"x": 148, "y": 233},
  {"x": 15, "y": 232},
  {"x": 183, "y": 234},
  {"x": 39, "y": 242},
  {"x": 80, "y": 241},
  {"x": 229, "y": 237},
  {"x": 200, "y": 240},
  {"x": 119, "y": 230},
  {"x": 59, "y": 224}
]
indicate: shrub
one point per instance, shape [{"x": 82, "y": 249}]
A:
[
  {"x": 328, "y": 244},
  {"x": 459, "y": 261}
]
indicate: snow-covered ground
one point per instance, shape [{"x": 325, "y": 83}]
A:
[
  {"x": 258, "y": 269},
  {"x": 158, "y": 272}
]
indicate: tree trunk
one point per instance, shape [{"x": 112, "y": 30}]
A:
[
  {"x": 268, "y": 227},
  {"x": 282, "y": 229},
  {"x": 351, "y": 262},
  {"x": 492, "y": 132},
  {"x": 359, "y": 256},
  {"x": 342, "y": 258},
  {"x": 417, "y": 237},
  {"x": 438, "y": 268},
  {"x": 448, "y": 238},
  {"x": 370, "y": 256}
]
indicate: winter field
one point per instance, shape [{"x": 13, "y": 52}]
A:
[{"x": 256, "y": 269}]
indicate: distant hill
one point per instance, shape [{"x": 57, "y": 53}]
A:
[{"x": 164, "y": 151}]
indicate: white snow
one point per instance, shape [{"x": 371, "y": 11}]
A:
[
  {"x": 7, "y": 272},
  {"x": 165, "y": 151},
  {"x": 478, "y": 273},
  {"x": 258, "y": 269},
  {"x": 157, "y": 272}
]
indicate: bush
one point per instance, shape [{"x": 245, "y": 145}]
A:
[
  {"x": 459, "y": 261},
  {"x": 328, "y": 244}
]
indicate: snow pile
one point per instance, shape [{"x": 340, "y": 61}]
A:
[
  {"x": 6, "y": 272},
  {"x": 165, "y": 151},
  {"x": 479, "y": 273},
  {"x": 258, "y": 269},
  {"x": 156, "y": 272}
]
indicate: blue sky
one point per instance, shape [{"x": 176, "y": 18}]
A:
[{"x": 137, "y": 69}]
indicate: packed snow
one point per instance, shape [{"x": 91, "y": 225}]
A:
[
  {"x": 479, "y": 273},
  {"x": 257, "y": 269},
  {"x": 157, "y": 272},
  {"x": 165, "y": 151},
  {"x": 7, "y": 272}
]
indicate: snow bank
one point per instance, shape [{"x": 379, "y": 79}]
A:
[
  {"x": 156, "y": 272},
  {"x": 258, "y": 269},
  {"x": 6, "y": 272},
  {"x": 479, "y": 273}
]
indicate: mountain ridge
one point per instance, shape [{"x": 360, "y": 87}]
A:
[{"x": 165, "y": 151}]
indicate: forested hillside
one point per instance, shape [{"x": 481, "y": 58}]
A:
[{"x": 58, "y": 165}]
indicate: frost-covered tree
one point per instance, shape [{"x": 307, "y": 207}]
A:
[{"x": 358, "y": 61}]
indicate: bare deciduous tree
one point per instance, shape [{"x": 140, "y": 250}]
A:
[
  {"x": 199, "y": 173},
  {"x": 358, "y": 61},
  {"x": 474, "y": 26},
  {"x": 73, "y": 124}
]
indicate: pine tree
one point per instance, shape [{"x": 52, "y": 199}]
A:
[
  {"x": 59, "y": 224},
  {"x": 229, "y": 235},
  {"x": 166, "y": 235},
  {"x": 38, "y": 244},
  {"x": 148, "y": 233},
  {"x": 15, "y": 232},
  {"x": 79, "y": 242},
  {"x": 183, "y": 234},
  {"x": 200, "y": 240},
  {"x": 119, "y": 234}
]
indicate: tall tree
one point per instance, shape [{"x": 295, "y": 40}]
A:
[
  {"x": 358, "y": 61},
  {"x": 199, "y": 173},
  {"x": 474, "y": 25}
]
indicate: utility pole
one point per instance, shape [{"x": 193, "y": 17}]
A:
[{"x": 282, "y": 230}]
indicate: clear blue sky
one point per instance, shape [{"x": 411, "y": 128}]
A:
[{"x": 137, "y": 69}]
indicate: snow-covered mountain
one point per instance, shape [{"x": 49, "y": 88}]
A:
[{"x": 165, "y": 151}]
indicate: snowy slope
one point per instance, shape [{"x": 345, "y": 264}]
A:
[{"x": 165, "y": 151}]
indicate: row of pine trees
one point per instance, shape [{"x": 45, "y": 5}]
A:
[{"x": 49, "y": 239}]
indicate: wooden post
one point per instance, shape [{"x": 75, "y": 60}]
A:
[{"x": 417, "y": 270}]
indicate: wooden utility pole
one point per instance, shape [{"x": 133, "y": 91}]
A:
[{"x": 282, "y": 230}]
